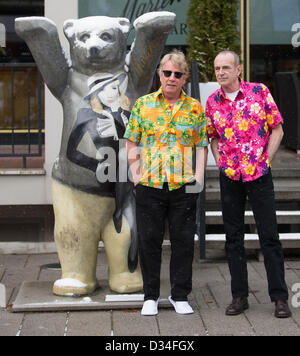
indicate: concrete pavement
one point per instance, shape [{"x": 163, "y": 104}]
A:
[{"x": 211, "y": 294}]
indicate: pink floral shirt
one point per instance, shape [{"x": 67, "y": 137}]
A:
[{"x": 243, "y": 127}]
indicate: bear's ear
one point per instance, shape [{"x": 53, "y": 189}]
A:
[
  {"x": 124, "y": 25},
  {"x": 69, "y": 28}
]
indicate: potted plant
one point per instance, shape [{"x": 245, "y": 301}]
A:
[{"x": 213, "y": 27}]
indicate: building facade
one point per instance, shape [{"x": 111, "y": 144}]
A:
[{"x": 31, "y": 118}]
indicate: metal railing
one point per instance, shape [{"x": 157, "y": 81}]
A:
[
  {"x": 201, "y": 231},
  {"x": 25, "y": 141}
]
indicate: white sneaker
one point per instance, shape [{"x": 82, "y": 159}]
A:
[
  {"x": 150, "y": 307},
  {"x": 181, "y": 307}
]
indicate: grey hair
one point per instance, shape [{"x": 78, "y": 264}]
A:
[
  {"x": 177, "y": 58},
  {"x": 236, "y": 57}
]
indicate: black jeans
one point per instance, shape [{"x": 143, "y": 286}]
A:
[
  {"x": 261, "y": 196},
  {"x": 153, "y": 206}
]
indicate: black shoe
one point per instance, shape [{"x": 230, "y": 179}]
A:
[
  {"x": 282, "y": 309},
  {"x": 237, "y": 306}
]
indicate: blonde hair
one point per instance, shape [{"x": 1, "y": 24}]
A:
[{"x": 177, "y": 58}]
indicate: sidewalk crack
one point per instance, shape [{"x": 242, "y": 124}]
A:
[
  {"x": 66, "y": 325},
  {"x": 21, "y": 326}
]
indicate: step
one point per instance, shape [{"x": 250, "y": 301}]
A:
[
  {"x": 290, "y": 173},
  {"x": 283, "y": 217},
  {"x": 286, "y": 183},
  {"x": 277, "y": 172},
  {"x": 282, "y": 192},
  {"x": 288, "y": 240}
]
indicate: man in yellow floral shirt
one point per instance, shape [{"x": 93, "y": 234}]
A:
[
  {"x": 244, "y": 124},
  {"x": 165, "y": 130}
]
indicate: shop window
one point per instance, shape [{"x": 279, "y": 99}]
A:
[
  {"x": 21, "y": 91},
  {"x": 272, "y": 48}
]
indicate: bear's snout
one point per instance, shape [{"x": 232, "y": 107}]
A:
[{"x": 94, "y": 51}]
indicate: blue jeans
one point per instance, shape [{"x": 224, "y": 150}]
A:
[{"x": 261, "y": 196}]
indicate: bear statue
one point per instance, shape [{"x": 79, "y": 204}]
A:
[{"x": 97, "y": 85}]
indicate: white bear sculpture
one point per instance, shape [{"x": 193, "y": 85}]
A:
[{"x": 97, "y": 86}]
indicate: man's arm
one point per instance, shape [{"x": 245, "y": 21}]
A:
[
  {"x": 274, "y": 141},
  {"x": 201, "y": 161},
  {"x": 214, "y": 149},
  {"x": 133, "y": 156}
]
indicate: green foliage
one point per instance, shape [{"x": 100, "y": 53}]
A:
[{"x": 213, "y": 27}]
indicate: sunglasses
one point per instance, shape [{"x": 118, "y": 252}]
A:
[{"x": 168, "y": 73}]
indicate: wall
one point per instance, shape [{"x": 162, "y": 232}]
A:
[{"x": 33, "y": 186}]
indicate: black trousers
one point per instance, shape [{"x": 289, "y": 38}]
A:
[
  {"x": 261, "y": 196},
  {"x": 153, "y": 206}
]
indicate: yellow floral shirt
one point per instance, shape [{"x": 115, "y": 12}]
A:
[{"x": 167, "y": 139}]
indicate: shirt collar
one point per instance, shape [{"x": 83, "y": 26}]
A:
[
  {"x": 242, "y": 89},
  {"x": 159, "y": 93}
]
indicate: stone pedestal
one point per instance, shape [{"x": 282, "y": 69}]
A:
[{"x": 38, "y": 296}]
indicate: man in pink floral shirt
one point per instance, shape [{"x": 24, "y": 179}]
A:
[{"x": 245, "y": 128}]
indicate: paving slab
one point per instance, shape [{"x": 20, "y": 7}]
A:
[
  {"x": 132, "y": 323},
  {"x": 43, "y": 324},
  {"x": 10, "y": 323},
  {"x": 2, "y": 270},
  {"x": 13, "y": 260},
  {"x": 261, "y": 317},
  {"x": 221, "y": 292},
  {"x": 171, "y": 323},
  {"x": 259, "y": 289},
  {"x": 260, "y": 269},
  {"x": 85, "y": 323},
  {"x": 291, "y": 278},
  {"x": 42, "y": 259},
  {"x": 206, "y": 272},
  {"x": 15, "y": 276},
  {"x": 38, "y": 296},
  {"x": 293, "y": 266},
  {"x": 218, "y": 324},
  {"x": 204, "y": 298},
  {"x": 49, "y": 274}
]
